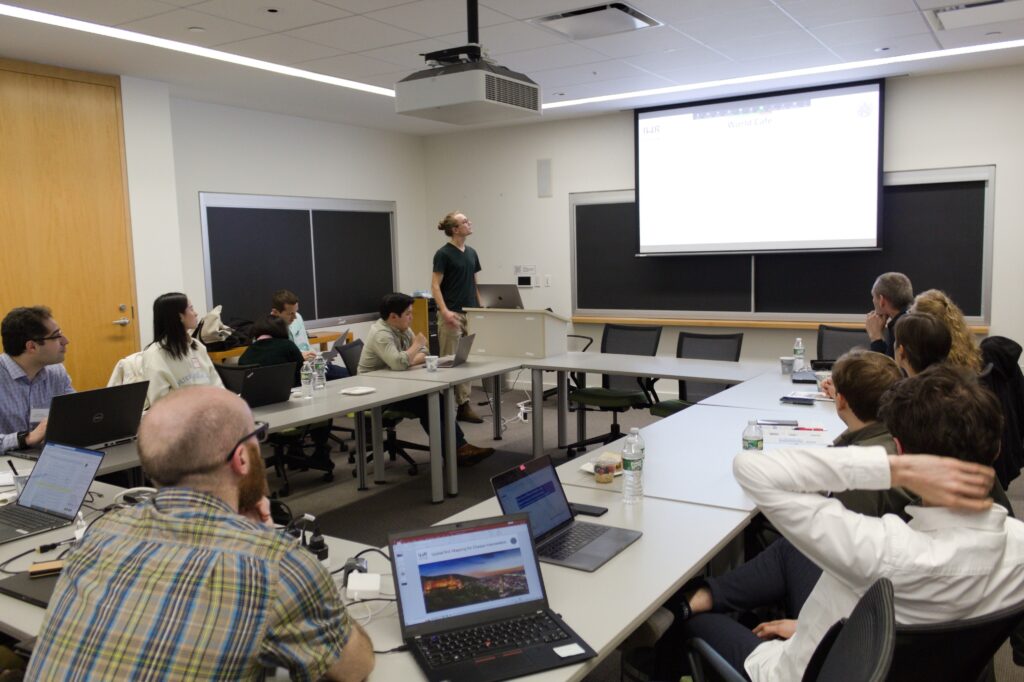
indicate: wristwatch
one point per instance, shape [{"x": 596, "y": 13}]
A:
[{"x": 22, "y": 440}]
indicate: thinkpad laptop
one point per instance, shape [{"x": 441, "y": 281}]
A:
[
  {"x": 499, "y": 296},
  {"x": 534, "y": 488},
  {"x": 472, "y": 604},
  {"x": 259, "y": 385},
  {"x": 100, "y": 418},
  {"x": 53, "y": 493},
  {"x": 35, "y": 591},
  {"x": 461, "y": 353}
]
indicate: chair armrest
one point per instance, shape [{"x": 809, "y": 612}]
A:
[{"x": 701, "y": 655}]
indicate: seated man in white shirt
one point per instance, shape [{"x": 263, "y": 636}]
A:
[
  {"x": 285, "y": 304},
  {"x": 959, "y": 557}
]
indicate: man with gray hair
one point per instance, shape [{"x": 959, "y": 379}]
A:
[
  {"x": 194, "y": 583},
  {"x": 891, "y": 295}
]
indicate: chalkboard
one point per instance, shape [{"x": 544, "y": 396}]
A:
[
  {"x": 937, "y": 232},
  {"x": 336, "y": 255}
]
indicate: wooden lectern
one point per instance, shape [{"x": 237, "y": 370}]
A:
[{"x": 517, "y": 333}]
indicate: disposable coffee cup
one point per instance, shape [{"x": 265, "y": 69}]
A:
[
  {"x": 431, "y": 363},
  {"x": 787, "y": 362}
]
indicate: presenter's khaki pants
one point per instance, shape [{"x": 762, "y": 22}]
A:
[{"x": 448, "y": 339}]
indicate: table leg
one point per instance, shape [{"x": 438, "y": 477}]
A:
[
  {"x": 537, "y": 403},
  {"x": 436, "y": 469},
  {"x": 496, "y": 404},
  {"x": 581, "y": 413},
  {"x": 377, "y": 438},
  {"x": 361, "y": 450},
  {"x": 563, "y": 407},
  {"x": 450, "y": 459}
]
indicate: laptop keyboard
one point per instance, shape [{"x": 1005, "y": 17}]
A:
[
  {"x": 24, "y": 519},
  {"x": 462, "y": 645},
  {"x": 569, "y": 542}
]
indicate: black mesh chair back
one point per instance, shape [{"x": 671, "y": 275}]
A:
[
  {"x": 834, "y": 341},
  {"x": 350, "y": 354},
  {"x": 861, "y": 650},
  {"x": 628, "y": 340},
  {"x": 959, "y": 651},
  {"x": 706, "y": 347}
]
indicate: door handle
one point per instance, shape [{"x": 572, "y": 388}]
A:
[{"x": 123, "y": 322}]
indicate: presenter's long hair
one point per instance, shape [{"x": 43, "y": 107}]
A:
[{"x": 168, "y": 330}]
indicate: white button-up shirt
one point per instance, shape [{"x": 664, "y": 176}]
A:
[{"x": 945, "y": 565}]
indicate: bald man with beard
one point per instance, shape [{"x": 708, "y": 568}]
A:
[{"x": 195, "y": 583}]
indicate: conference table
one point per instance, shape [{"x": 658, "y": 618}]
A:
[
  {"x": 766, "y": 390},
  {"x": 658, "y": 367},
  {"x": 487, "y": 369}
]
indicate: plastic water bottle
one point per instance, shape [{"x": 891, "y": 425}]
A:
[
  {"x": 319, "y": 372},
  {"x": 798, "y": 353},
  {"x": 80, "y": 527},
  {"x": 306, "y": 376},
  {"x": 633, "y": 468},
  {"x": 753, "y": 438}
]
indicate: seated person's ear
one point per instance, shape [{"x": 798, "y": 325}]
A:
[{"x": 899, "y": 445}]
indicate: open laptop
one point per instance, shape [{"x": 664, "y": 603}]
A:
[
  {"x": 53, "y": 493},
  {"x": 329, "y": 355},
  {"x": 461, "y": 353},
  {"x": 499, "y": 296},
  {"x": 534, "y": 488},
  {"x": 472, "y": 604},
  {"x": 99, "y": 418},
  {"x": 259, "y": 385}
]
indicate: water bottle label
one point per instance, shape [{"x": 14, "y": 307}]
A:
[
  {"x": 632, "y": 464},
  {"x": 753, "y": 443}
]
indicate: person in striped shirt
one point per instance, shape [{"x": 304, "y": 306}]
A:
[{"x": 194, "y": 583}]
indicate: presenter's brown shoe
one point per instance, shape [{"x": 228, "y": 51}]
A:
[
  {"x": 466, "y": 414},
  {"x": 468, "y": 454}
]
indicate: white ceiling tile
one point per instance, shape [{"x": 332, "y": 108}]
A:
[
  {"x": 407, "y": 55},
  {"x": 528, "y": 9},
  {"x": 787, "y": 62},
  {"x": 766, "y": 45},
  {"x": 279, "y": 48},
  {"x": 289, "y": 14},
  {"x": 435, "y": 17},
  {"x": 980, "y": 35},
  {"x": 674, "y": 60},
  {"x": 877, "y": 28},
  {"x": 672, "y": 11},
  {"x": 350, "y": 66},
  {"x": 354, "y": 34},
  {"x": 614, "y": 87},
  {"x": 922, "y": 42},
  {"x": 612, "y": 69},
  {"x": 385, "y": 80},
  {"x": 731, "y": 27},
  {"x": 106, "y": 12},
  {"x": 510, "y": 37},
  {"x": 547, "y": 57},
  {"x": 813, "y": 13},
  {"x": 644, "y": 41},
  {"x": 175, "y": 26},
  {"x": 362, "y": 6}
]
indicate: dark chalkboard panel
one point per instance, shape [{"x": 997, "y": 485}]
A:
[
  {"x": 934, "y": 233},
  {"x": 338, "y": 262}
]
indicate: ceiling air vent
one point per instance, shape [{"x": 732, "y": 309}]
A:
[
  {"x": 597, "y": 21},
  {"x": 966, "y": 15}
]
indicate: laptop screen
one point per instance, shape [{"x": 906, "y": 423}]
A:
[
  {"x": 539, "y": 494},
  {"x": 462, "y": 571},
  {"x": 60, "y": 479}
]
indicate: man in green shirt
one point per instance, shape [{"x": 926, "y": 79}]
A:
[{"x": 454, "y": 288}]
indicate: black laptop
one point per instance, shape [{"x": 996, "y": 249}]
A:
[
  {"x": 534, "y": 488},
  {"x": 259, "y": 385},
  {"x": 472, "y": 604},
  {"x": 53, "y": 493},
  {"x": 35, "y": 591},
  {"x": 100, "y": 418}
]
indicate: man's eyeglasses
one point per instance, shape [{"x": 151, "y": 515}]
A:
[
  {"x": 260, "y": 434},
  {"x": 52, "y": 337}
]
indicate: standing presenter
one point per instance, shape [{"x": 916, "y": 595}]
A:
[{"x": 454, "y": 288}]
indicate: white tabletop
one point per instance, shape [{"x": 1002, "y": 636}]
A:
[
  {"x": 660, "y": 366},
  {"x": 688, "y": 456},
  {"x": 472, "y": 368},
  {"x": 605, "y": 606},
  {"x": 763, "y": 392}
]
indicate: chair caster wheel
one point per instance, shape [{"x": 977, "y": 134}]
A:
[
  {"x": 328, "y": 477},
  {"x": 354, "y": 473},
  {"x": 413, "y": 470},
  {"x": 570, "y": 453},
  {"x": 283, "y": 492}
]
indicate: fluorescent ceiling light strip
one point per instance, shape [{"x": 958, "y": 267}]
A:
[
  {"x": 177, "y": 46},
  {"x": 810, "y": 71}
]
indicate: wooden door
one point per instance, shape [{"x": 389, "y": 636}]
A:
[{"x": 66, "y": 240}]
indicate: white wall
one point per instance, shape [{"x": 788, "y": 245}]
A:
[{"x": 957, "y": 119}]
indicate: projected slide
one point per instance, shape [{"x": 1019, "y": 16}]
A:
[{"x": 786, "y": 172}]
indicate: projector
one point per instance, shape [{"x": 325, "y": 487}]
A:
[{"x": 467, "y": 92}]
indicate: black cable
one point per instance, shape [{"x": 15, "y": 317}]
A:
[
  {"x": 372, "y": 549},
  {"x": 3, "y": 566},
  {"x": 403, "y": 647},
  {"x": 369, "y": 599}
]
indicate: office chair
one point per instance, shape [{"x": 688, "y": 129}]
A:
[
  {"x": 618, "y": 393},
  {"x": 857, "y": 649},
  {"x": 574, "y": 377},
  {"x": 395, "y": 447},
  {"x": 700, "y": 347},
  {"x": 1002, "y": 375},
  {"x": 834, "y": 341}
]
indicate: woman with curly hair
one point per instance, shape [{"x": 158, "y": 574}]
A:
[{"x": 965, "y": 352}]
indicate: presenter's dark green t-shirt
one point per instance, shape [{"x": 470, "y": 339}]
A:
[{"x": 457, "y": 268}]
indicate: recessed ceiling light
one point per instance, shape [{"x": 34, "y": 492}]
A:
[
  {"x": 994, "y": 33},
  {"x": 272, "y": 10},
  {"x": 881, "y": 49},
  {"x": 196, "y": 29}
]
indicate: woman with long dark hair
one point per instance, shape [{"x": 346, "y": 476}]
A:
[{"x": 174, "y": 359}]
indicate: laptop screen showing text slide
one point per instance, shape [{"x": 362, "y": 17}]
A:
[
  {"x": 460, "y": 572},
  {"x": 60, "y": 479},
  {"x": 540, "y": 495}
]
